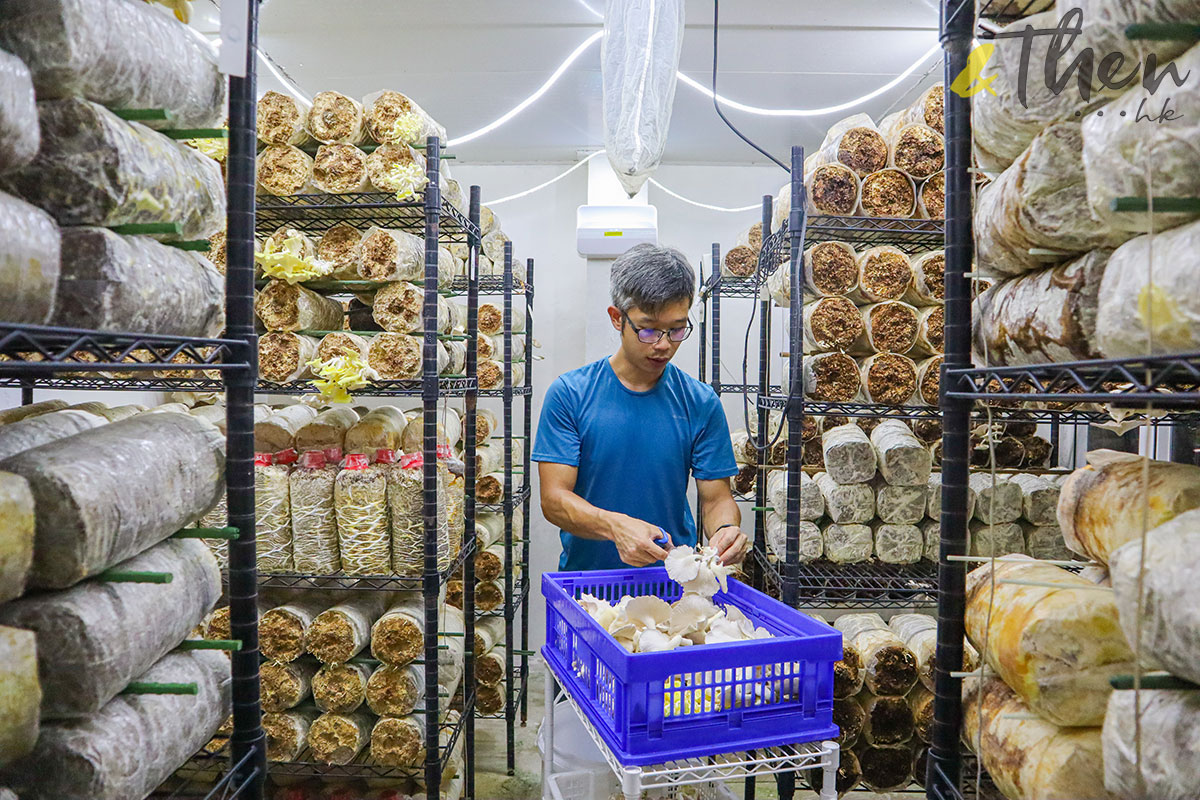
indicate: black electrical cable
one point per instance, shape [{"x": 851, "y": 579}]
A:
[{"x": 717, "y": 106}]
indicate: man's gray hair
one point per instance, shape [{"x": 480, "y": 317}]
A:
[{"x": 648, "y": 277}]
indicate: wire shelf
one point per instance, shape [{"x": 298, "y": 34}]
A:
[
  {"x": 360, "y": 583},
  {"x": 44, "y": 352},
  {"x": 728, "y": 286},
  {"x": 722, "y": 767},
  {"x": 741, "y": 388},
  {"x": 872, "y": 584},
  {"x": 447, "y": 387},
  {"x": 1069, "y": 413},
  {"x": 518, "y": 391},
  {"x": 1166, "y": 382},
  {"x": 196, "y": 777},
  {"x": 492, "y": 285},
  {"x": 1005, "y": 11},
  {"x": 910, "y": 235},
  {"x": 317, "y": 213}
]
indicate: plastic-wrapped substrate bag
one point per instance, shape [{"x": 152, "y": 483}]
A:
[
  {"x": 29, "y": 262},
  {"x": 19, "y": 135},
  {"x": 118, "y": 53},
  {"x": 638, "y": 62}
]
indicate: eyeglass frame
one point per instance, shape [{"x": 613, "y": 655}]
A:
[{"x": 637, "y": 332}]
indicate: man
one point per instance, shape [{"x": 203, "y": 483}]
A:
[{"x": 619, "y": 438}]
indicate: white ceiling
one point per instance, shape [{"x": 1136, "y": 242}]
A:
[{"x": 469, "y": 61}]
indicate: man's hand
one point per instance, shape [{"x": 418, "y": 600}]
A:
[
  {"x": 635, "y": 540},
  {"x": 731, "y": 545}
]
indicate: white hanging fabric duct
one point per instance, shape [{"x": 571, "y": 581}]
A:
[{"x": 638, "y": 62}]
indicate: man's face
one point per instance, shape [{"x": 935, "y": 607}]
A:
[{"x": 652, "y": 358}]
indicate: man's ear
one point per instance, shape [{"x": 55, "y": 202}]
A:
[{"x": 615, "y": 316}]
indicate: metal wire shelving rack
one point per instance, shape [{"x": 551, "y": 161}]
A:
[{"x": 1166, "y": 383}]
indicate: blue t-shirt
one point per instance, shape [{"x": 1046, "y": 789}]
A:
[{"x": 634, "y": 450}]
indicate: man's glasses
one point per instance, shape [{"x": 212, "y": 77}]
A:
[{"x": 654, "y": 335}]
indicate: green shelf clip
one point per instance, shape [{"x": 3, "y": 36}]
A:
[
  {"x": 148, "y": 228},
  {"x": 143, "y": 114},
  {"x": 453, "y": 337},
  {"x": 230, "y": 645},
  {"x": 451, "y": 634},
  {"x": 1163, "y": 205},
  {"x": 195, "y": 133},
  {"x": 1163, "y": 31},
  {"x": 151, "y": 687},
  {"x": 228, "y": 533},
  {"x": 196, "y": 245},
  {"x": 1153, "y": 680},
  {"x": 134, "y": 576},
  {"x": 525, "y": 652},
  {"x": 762, "y": 508}
]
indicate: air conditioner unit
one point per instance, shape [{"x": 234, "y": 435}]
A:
[{"x": 608, "y": 231}]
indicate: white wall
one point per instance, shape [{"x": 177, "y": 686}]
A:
[{"x": 542, "y": 227}]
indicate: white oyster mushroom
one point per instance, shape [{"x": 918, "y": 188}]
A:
[
  {"x": 691, "y": 614},
  {"x": 648, "y": 611},
  {"x": 699, "y": 571},
  {"x": 598, "y": 609},
  {"x": 724, "y": 629},
  {"x": 652, "y": 640}
]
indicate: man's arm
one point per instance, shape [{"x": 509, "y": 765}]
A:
[
  {"x": 719, "y": 509},
  {"x": 634, "y": 538}
]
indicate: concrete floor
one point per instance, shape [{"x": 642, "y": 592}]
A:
[{"x": 493, "y": 783}]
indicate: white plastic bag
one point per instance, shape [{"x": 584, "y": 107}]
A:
[{"x": 638, "y": 62}]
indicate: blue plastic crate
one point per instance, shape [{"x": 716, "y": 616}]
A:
[{"x": 695, "y": 701}]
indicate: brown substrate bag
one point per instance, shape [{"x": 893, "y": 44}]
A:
[
  {"x": 490, "y": 699},
  {"x": 1029, "y": 758},
  {"x": 277, "y": 432},
  {"x": 395, "y": 691},
  {"x": 918, "y": 150},
  {"x": 327, "y": 430},
  {"x": 287, "y": 733},
  {"x": 393, "y": 118},
  {"x": 117, "y": 508},
  {"x": 340, "y": 247},
  {"x": 889, "y": 378},
  {"x": 399, "y": 741},
  {"x": 848, "y": 716},
  {"x": 94, "y": 638},
  {"x": 341, "y": 632},
  {"x": 831, "y": 324},
  {"x": 888, "y": 193},
  {"x": 338, "y": 738},
  {"x": 887, "y": 327},
  {"x": 285, "y": 307},
  {"x": 740, "y": 262},
  {"x": 884, "y": 273},
  {"x": 334, "y": 118},
  {"x": 887, "y": 721},
  {"x": 398, "y": 636},
  {"x": 282, "y": 630},
  {"x": 281, "y": 118},
  {"x": 284, "y": 171},
  {"x": 397, "y": 169},
  {"x": 285, "y": 685},
  {"x": 931, "y": 332},
  {"x": 489, "y": 596},
  {"x": 399, "y": 307},
  {"x": 885, "y": 769},
  {"x": 340, "y": 169},
  {"x": 830, "y": 268},
  {"x": 340, "y": 688},
  {"x": 134, "y": 743},
  {"x": 931, "y": 200},
  {"x": 929, "y": 279},
  {"x": 94, "y": 168},
  {"x": 283, "y": 356},
  {"x": 1057, "y": 646},
  {"x": 834, "y": 189},
  {"x": 29, "y": 261},
  {"x": 889, "y": 667},
  {"x": 378, "y": 429},
  {"x": 342, "y": 343},
  {"x": 386, "y": 255},
  {"x": 395, "y": 356},
  {"x": 831, "y": 377},
  {"x": 1105, "y": 504},
  {"x": 21, "y": 694},
  {"x": 929, "y": 380}
]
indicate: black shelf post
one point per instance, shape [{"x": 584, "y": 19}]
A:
[
  {"x": 248, "y": 744},
  {"x": 945, "y": 758},
  {"x": 795, "y": 390},
  {"x": 526, "y": 503},
  {"x": 716, "y": 317},
  {"x": 429, "y": 402},
  {"x": 470, "y": 427},
  {"x": 509, "y": 608}
]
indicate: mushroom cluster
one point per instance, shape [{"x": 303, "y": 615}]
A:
[{"x": 649, "y": 624}]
